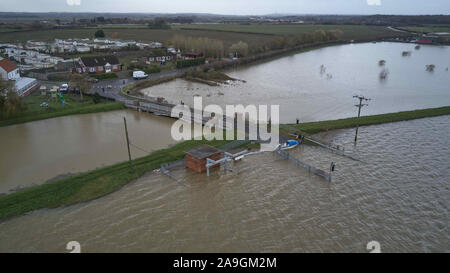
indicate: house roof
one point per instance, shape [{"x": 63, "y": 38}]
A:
[
  {"x": 99, "y": 60},
  {"x": 203, "y": 151},
  {"x": 7, "y": 65}
]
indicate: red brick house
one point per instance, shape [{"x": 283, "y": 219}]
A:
[
  {"x": 98, "y": 64},
  {"x": 192, "y": 55}
]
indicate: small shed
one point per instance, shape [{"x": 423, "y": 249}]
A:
[
  {"x": 196, "y": 157},
  {"x": 43, "y": 90}
]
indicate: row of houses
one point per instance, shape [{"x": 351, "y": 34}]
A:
[
  {"x": 29, "y": 59},
  {"x": 10, "y": 72},
  {"x": 85, "y": 45},
  {"x": 110, "y": 63}
]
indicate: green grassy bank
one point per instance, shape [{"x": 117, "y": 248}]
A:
[
  {"x": 73, "y": 107},
  {"x": 91, "y": 185},
  {"x": 321, "y": 126}
]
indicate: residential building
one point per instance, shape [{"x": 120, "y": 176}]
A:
[
  {"x": 9, "y": 70},
  {"x": 23, "y": 85}
]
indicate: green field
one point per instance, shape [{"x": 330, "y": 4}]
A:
[
  {"x": 73, "y": 107},
  {"x": 254, "y": 35},
  {"x": 137, "y": 34},
  {"x": 429, "y": 29},
  {"x": 350, "y": 31}
]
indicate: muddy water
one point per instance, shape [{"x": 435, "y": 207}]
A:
[
  {"x": 296, "y": 84},
  {"x": 399, "y": 198},
  {"x": 34, "y": 152}
]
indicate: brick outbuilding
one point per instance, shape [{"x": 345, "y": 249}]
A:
[{"x": 196, "y": 157}]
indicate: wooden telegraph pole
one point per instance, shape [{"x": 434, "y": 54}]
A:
[
  {"x": 128, "y": 143},
  {"x": 360, "y": 105}
]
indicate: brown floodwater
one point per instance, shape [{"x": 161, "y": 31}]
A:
[
  {"x": 399, "y": 197},
  {"x": 34, "y": 152},
  {"x": 302, "y": 91}
]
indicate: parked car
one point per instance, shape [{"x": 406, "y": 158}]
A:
[{"x": 44, "y": 104}]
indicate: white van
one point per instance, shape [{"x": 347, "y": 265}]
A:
[
  {"x": 137, "y": 75},
  {"x": 64, "y": 88}
]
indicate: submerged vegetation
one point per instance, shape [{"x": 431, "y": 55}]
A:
[{"x": 212, "y": 78}]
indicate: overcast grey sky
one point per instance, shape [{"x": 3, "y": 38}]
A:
[{"x": 237, "y": 7}]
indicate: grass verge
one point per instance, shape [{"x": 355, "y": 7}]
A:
[
  {"x": 73, "y": 107},
  {"x": 321, "y": 126}
]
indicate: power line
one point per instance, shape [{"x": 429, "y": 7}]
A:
[{"x": 360, "y": 105}]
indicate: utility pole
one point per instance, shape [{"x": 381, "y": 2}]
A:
[
  {"x": 128, "y": 143},
  {"x": 361, "y": 99}
]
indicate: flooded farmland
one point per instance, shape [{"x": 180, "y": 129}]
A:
[
  {"x": 306, "y": 92},
  {"x": 37, "y": 151},
  {"x": 399, "y": 196}
]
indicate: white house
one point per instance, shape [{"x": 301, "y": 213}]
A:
[{"x": 9, "y": 71}]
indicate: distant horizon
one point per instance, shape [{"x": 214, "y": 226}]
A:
[
  {"x": 224, "y": 14},
  {"x": 234, "y": 7}
]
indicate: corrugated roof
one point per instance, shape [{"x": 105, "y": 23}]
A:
[
  {"x": 8, "y": 65},
  {"x": 203, "y": 151}
]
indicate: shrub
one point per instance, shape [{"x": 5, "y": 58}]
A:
[
  {"x": 99, "y": 33},
  {"x": 96, "y": 98},
  {"x": 152, "y": 69},
  {"x": 190, "y": 62},
  {"x": 105, "y": 76}
]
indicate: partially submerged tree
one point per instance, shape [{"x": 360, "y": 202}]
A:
[
  {"x": 406, "y": 53},
  {"x": 384, "y": 73},
  {"x": 430, "y": 67}
]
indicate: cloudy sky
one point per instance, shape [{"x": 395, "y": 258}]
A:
[{"x": 238, "y": 7}]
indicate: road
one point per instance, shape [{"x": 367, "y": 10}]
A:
[{"x": 115, "y": 86}]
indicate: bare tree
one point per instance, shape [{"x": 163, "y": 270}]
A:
[{"x": 81, "y": 82}]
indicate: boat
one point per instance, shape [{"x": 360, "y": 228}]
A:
[{"x": 290, "y": 144}]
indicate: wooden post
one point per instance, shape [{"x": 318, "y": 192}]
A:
[
  {"x": 357, "y": 122},
  {"x": 361, "y": 98},
  {"x": 128, "y": 143}
]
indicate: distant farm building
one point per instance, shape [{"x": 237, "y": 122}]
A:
[{"x": 196, "y": 157}]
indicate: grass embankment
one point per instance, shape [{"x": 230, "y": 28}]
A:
[
  {"x": 321, "y": 126},
  {"x": 93, "y": 184},
  {"x": 212, "y": 78},
  {"x": 74, "y": 106},
  {"x": 427, "y": 28}
]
